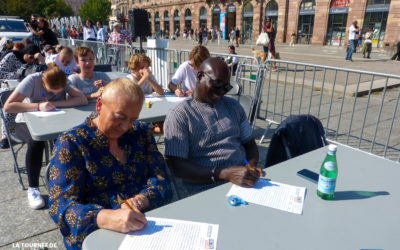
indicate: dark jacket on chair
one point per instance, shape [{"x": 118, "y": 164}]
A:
[{"x": 303, "y": 133}]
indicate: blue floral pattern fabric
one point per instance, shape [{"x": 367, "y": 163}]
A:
[{"x": 84, "y": 177}]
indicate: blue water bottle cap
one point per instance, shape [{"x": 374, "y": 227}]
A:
[{"x": 234, "y": 201}]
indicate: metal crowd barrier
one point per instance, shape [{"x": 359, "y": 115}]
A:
[
  {"x": 357, "y": 108},
  {"x": 117, "y": 55},
  {"x": 246, "y": 74},
  {"x": 164, "y": 63}
]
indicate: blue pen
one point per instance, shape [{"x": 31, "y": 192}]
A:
[
  {"x": 102, "y": 83},
  {"x": 251, "y": 167},
  {"x": 47, "y": 100}
]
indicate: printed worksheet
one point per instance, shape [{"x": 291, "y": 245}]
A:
[
  {"x": 272, "y": 194},
  {"x": 41, "y": 114},
  {"x": 169, "y": 234}
]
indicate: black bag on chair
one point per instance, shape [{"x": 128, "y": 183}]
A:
[{"x": 300, "y": 133}]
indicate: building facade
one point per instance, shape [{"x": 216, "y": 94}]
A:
[
  {"x": 75, "y": 4},
  {"x": 320, "y": 22}
]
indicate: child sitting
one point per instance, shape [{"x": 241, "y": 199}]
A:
[
  {"x": 65, "y": 61},
  {"x": 142, "y": 75}
]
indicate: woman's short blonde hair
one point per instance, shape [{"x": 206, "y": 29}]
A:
[
  {"x": 54, "y": 78},
  {"x": 122, "y": 86},
  {"x": 199, "y": 54},
  {"x": 136, "y": 59}
]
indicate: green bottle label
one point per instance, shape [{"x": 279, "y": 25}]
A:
[
  {"x": 330, "y": 166},
  {"x": 326, "y": 185}
]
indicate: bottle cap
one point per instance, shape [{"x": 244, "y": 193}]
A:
[{"x": 332, "y": 147}]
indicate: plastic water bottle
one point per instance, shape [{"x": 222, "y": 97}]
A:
[{"x": 327, "y": 175}]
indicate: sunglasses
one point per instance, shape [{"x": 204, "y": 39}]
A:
[{"x": 218, "y": 84}]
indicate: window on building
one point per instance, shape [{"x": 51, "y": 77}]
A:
[
  {"x": 247, "y": 27},
  {"x": 203, "y": 17},
  {"x": 271, "y": 11},
  {"x": 307, "y": 5},
  {"x": 188, "y": 19},
  {"x": 377, "y": 2}
]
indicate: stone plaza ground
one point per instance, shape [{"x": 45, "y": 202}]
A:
[{"x": 21, "y": 226}]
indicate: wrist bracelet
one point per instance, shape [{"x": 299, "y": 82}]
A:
[
  {"x": 38, "y": 109},
  {"x": 212, "y": 174}
]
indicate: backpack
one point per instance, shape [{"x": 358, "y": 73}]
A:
[{"x": 28, "y": 69}]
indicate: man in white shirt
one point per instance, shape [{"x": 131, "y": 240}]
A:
[
  {"x": 353, "y": 31},
  {"x": 232, "y": 60}
]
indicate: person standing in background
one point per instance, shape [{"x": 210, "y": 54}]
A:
[
  {"x": 292, "y": 39},
  {"x": 101, "y": 32},
  {"x": 237, "y": 35},
  {"x": 89, "y": 31},
  {"x": 64, "y": 31},
  {"x": 367, "y": 47},
  {"x": 398, "y": 50},
  {"x": 353, "y": 30}
]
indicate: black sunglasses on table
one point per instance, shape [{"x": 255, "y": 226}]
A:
[{"x": 218, "y": 84}]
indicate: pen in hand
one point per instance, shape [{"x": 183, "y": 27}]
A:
[
  {"x": 251, "y": 167},
  {"x": 129, "y": 205},
  {"x": 45, "y": 97}
]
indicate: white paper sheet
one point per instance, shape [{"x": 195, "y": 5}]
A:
[
  {"x": 41, "y": 114},
  {"x": 272, "y": 194},
  {"x": 170, "y": 234},
  {"x": 150, "y": 98},
  {"x": 175, "y": 98}
]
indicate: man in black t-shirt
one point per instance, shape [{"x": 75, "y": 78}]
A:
[
  {"x": 237, "y": 34},
  {"x": 46, "y": 34}
]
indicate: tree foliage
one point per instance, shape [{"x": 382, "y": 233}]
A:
[
  {"x": 44, "y": 8},
  {"x": 95, "y": 10}
]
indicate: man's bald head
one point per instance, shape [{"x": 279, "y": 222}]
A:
[
  {"x": 213, "y": 81},
  {"x": 213, "y": 64},
  {"x": 122, "y": 87}
]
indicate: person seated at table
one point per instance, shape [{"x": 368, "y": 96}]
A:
[
  {"x": 43, "y": 91},
  {"x": 102, "y": 162},
  {"x": 91, "y": 83},
  {"x": 208, "y": 137},
  {"x": 14, "y": 65},
  {"x": 65, "y": 60},
  {"x": 142, "y": 75},
  {"x": 183, "y": 82}
]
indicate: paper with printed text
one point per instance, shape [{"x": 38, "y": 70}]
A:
[
  {"x": 272, "y": 194},
  {"x": 169, "y": 234}
]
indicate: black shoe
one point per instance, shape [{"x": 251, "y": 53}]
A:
[
  {"x": 369, "y": 57},
  {"x": 4, "y": 144}
]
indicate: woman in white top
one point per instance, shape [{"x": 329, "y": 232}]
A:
[
  {"x": 184, "y": 80},
  {"x": 142, "y": 76},
  {"x": 89, "y": 31},
  {"x": 101, "y": 32}
]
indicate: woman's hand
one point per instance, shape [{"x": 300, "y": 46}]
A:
[
  {"x": 122, "y": 220},
  {"x": 46, "y": 106},
  {"x": 139, "y": 201}
]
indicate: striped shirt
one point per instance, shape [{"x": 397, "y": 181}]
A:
[{"x": 208, "y": 135}]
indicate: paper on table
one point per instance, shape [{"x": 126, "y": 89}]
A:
[
  {"x": 160, "y": 233},
  {"x": 172, "y": 98},
  {"x": 175, "y": 98},
  {"x": 151, "y": 98},
  {"x": 272, "y": 194},
  {"x": 47, "y": 113}
]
